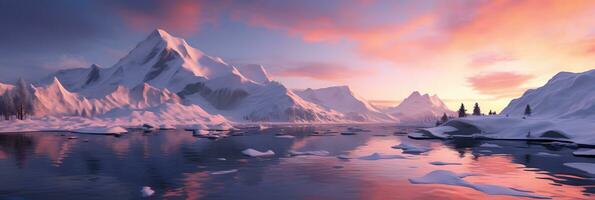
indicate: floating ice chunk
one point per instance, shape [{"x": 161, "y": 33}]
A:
[
  {"x": 585, "y": 167},
  {"x": 285, "y": 136},
  {"x": 72, "y": 137},
  {"x": 444, "y": 163},
  {"x": 488, "y": 145},
  {"x": 256, "y": 153},
  {"x": 451, "y": 178},
  {"x": 201, "y": 133},
  {"x": 146, "y": 191},
  {"x": 584, "y": 152},
  {"x": 222, "y": 159},
  {"x": 485, "y": 151},
  {"x": 377, "y": 156},
  {"x": 224, "y": 172},
  {"x": 411, "y": 148},
  {"x": 344, "y": 157},
  {"x": 546, "y": 154},
  {"x": 311, "y": 153}
]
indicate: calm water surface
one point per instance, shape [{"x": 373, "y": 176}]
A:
[{"x": 179, "y": 166}]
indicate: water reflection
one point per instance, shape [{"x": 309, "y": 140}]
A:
[{"x": 177, "y": 165}]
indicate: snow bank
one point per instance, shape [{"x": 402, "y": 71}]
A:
[
  {"x": 101, "y": 130},
  {"x": 378, "y": 156},
  {"x": 309, "y": 153},
  {"x": 500, "y": 127},
  {"x": 585, "y": 167},
  {"x": 451, "y": 178},
  {"x": 256, "y": 153}
]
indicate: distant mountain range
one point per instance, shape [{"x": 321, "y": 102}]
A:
[{"x": 163, "y": 75}]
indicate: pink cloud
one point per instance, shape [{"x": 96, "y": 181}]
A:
[
  {"x": 501, "y": 84},
  {"x": 321, "y": 71},
  {"x": 180, "y": 16},
  {"x": 486, "y": 59}
]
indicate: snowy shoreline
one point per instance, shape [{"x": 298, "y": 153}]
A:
[{"x": 573, "y": 131}]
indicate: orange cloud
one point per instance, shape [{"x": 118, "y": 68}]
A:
[
  {"x": 410, "y": 34},
  {"x": 500, "y": 84},
  {"x": 321, "y": 71},
  {"x": 485, "y": 59}
]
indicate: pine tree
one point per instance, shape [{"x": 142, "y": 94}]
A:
[
  {"x": 528, "y": 110},
  {"x": 462, "y": 111},
  {"x": 444, "y": 118},
  {"x": 22, "y": 99},
  {"x": 490, "y": 113},
  {"x": 494, "y": 113},
  {"x": 7, "y": 105},
  {"x": 476, "y": 110}
]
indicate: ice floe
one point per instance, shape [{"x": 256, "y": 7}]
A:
[
  {"x": 546, "y": 154},
  {"x": 224, "y": 172},
  {"x": 285, "y": 136},
  {"x": 309, "y": 153},
  {"x": 256, "y": 153},
  {"x": 585, "y": 167},
  {"x": 146, "y": 191},
  {"x": 378, "y": 156},
  {"x": 450, "y": 178},
  {"x": 584, "y": 152},
  {"x": 489, "y": 145},
  {"x": 444, "y": 163},
  {"x": 411, "y": 148}
]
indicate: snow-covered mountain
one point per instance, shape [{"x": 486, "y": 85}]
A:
[
  {"x": 566, "y": 95},
  {"x": 418, "y": 107},
  {"x": 342, "y": 99},
  {"x": 167, "y": 64}
]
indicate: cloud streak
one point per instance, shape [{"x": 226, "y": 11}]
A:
[
  {"x": 321, "y": 71},
  {"x": 499, "y": 84}
]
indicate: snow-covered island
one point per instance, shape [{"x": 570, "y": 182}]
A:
[{"x": 562, "y": 110}]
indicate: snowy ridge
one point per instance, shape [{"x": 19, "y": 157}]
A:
[
  {"x": 5, "y": 87},
  {"x": 566, "y": 95},
  {"x": 342, "y": 99},
  {"x": 418, "y": 107}
]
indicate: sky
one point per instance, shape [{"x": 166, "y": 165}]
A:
[{"x": 464, "y": 51}]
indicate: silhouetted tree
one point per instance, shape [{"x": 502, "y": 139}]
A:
[
  {"x": 462, "y": 111},
  {"x": 22, "y": 99},
  {"x": 528, "y": 110},
  {"x": 494, "y": 113},
  {"x": 444, "y": 118},
  {"x": 7, "y": 105},
  {"x": 476, "y": 110}
]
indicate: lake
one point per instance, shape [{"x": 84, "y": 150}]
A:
[{"x": 177, "y": 165}]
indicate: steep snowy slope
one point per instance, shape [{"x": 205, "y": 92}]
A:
[
  {"x": 566, "y": 95},
  {"x": 420, "y": 107},
  {"x": 168, "y": 63},
  {"x": 5, "y": 87},
  {"x": 255, "y": 73},
  {"x": 342, "y": 99}
]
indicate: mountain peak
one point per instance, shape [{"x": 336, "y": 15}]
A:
[{"x": 415, "y": 94}]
